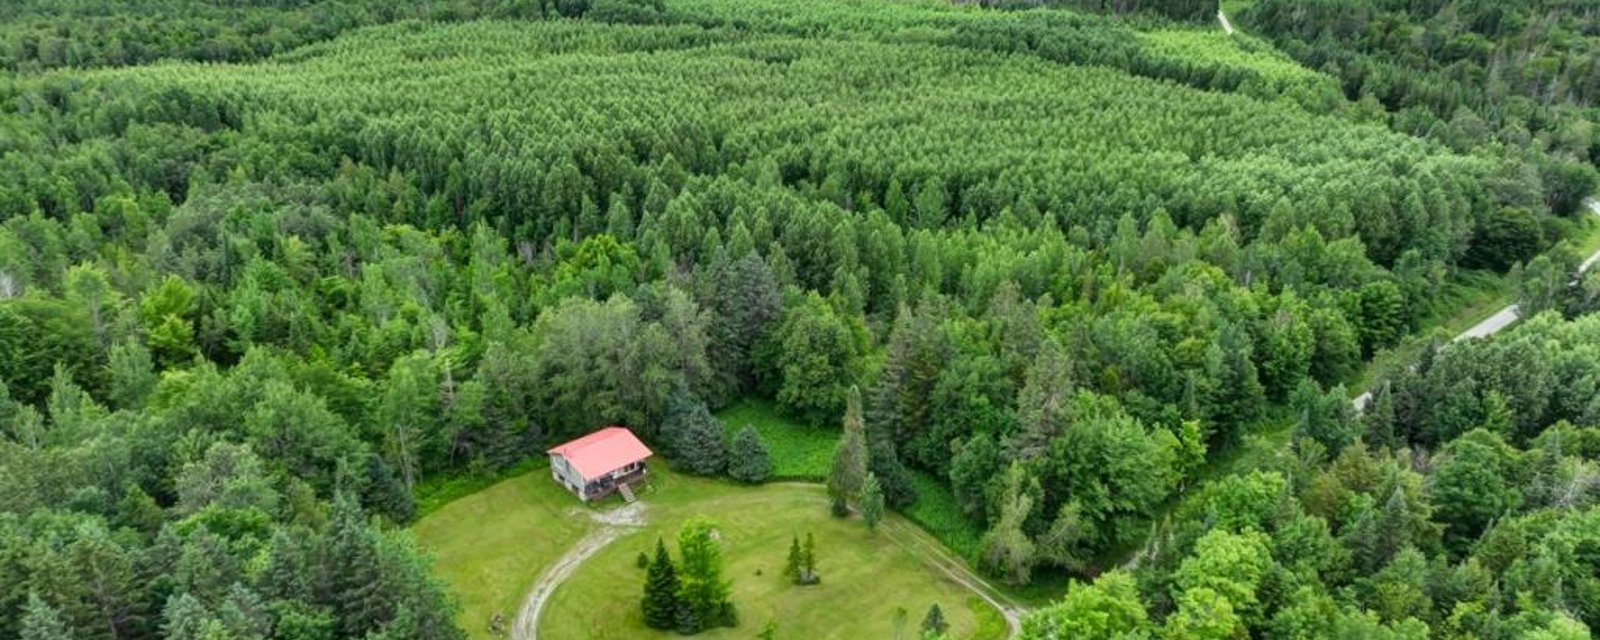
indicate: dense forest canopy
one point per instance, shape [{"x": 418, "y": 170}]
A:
[{"x": 1060, "y": 258}]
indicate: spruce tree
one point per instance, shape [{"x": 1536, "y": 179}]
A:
[
  {"x": 748, "y": 460},
  {"x": 688, "y": 622},
  {"x": 40, "y": 621},
  {"x": 791, "y": 569},
  {"x": 660, "y": 603},
  {"x": 693, "y": 436},
  {"x": 849, "y": 470},
  {"x": 354, "y": 569},
  {"x": 934, "y": 622},
  {"x": 872, "y": 502}
]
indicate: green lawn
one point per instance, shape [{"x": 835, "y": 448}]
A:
[
  {"x": 866, "y": 577},
  {"x": 799, "y": 451},
  {"x": 490, "y": 545}
]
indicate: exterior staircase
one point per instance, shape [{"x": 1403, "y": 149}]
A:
[{"x": 627, "y": 493}]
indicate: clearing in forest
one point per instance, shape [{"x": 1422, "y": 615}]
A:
[
  {"x": 491, "y": 546},
  {"x": 866, "y": 577}
]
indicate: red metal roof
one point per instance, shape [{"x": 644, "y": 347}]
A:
[{"x": 603, "y": 451}]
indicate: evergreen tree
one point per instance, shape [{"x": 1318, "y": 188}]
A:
[
  {"x": 934, "y": 622},
  {"x": 792, "y": 566},
  {"x": 660, "y": 603},
  {"x": 185, "y": 618},
  {"x": 702, "y": 590},
  {"x": 687, "y": 621},
  {"x": 355, "y": 575},
  {"x": 1378, "y": 418},
  {"x": 872, "y": 502},
  {"x": 694, "y": 437},
  {"x": 748, "y": 460},
  {"x": 40, "y": 621},
  {"x": 849, "y": 470}
]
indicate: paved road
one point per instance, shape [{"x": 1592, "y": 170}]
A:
[{"x": 1502, "y": 318}]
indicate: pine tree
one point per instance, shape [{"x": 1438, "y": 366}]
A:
[
  {"x": 934, "y": 622},
  {"x": 748, "y": 460},
  {"x": 660, "y": 603},
  {"x": 849, "y": 469},
  {"x": 872, "y": 502},
  {"x": 40, "y": 621},
  {"x": 791, "y": 568}
]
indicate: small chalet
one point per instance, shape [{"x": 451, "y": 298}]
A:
[{"x": 600, "y": 463}]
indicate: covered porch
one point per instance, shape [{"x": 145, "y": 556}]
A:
[{"x": 608, "y": 484}]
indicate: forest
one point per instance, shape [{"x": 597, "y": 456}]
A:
[{"x": 272, "y": 270}]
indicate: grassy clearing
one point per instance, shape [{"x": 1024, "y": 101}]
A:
[
  {"x": 937, "y": 512},
  {"x": 804, "y": 452},
  {"x": 1235, "y": 7},
  {"x": 866, "y": 577},
  {"x": 434, "y": 493},
  {"x": 799, "y": 451},
  {"x": 489, "y": 546}
]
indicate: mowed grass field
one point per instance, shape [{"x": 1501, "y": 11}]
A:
[
  {"x": 805, "y": 452},
  {"x": 490, "y": 545},
  {"x": 799, "y": 451},
  {"x": 866, "y": 577}
]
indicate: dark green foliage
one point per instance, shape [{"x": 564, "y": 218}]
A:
[
  {"x": 748, "y": 460},
  {"x": 643, "y": 561},
  {"x": 660, "y": 603},
  {"x": 933, "y": 622},
  {"x": 1475, "y": 483},
  {"x": 792, "y": 565},
  {"x": 872, "y": 502},
  {"x": 693, "y": 436}
]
